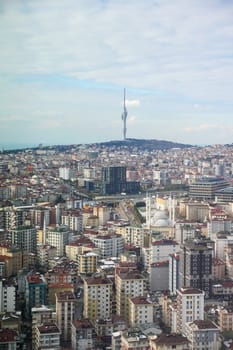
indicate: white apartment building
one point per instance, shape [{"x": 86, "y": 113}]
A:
[
  {"x": 97, "y": 294},
  {"x": 128, "y": 285},
  {"x": 7, "y": 297},
  {"x": 140, "y": 311},
  {"x": 47, "y": 336},
  {"x": 190, "y": 307},
  {"x": 221, "y": 243},
  {"x": 110, "y": 245},
  {"x": 58, "y": 237},
  {"x": 218, "y": 225},
  {"x": 161, "y": 249},
  {"x": 203, "y": 334},
  {"x": 73, "y": 219},
  {"x": 65, "y": 173}
]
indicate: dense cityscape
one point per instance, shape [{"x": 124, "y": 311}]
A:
[{"x": 116, "y": 246}]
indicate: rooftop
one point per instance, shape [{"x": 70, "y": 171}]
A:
[
  {"x": 65, "y": 296},
  {"x": 205, "y": 324},
  {"x": 7, "y": 335},
  {"x": 48, "y": 328},
  {"x": 171, "y": 339}
]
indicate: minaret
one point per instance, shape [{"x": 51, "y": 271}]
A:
[{"x": 124, "y": 117}]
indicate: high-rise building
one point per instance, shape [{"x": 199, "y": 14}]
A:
[
  {"x": 87, "y": 263},
  {"x": 65, "y": 308},
  {"x": 140, "y": 311},
  {"x": 190, "y": 307},
  {"x": 110, "y": 245},
  {"x": 58, "y": 237},
  {"x": 7, "y": 297},
  {"x": 72, "y": 219},
  {"x": 97, "y": 298},
  {"x": 196, "y": 265},
  {"x": 113, "y": 179},
  {"x": 174, "y": 272},
  {"x": 128, "y": 285},
  {"x": 83, "y": 335},
  {"x": 35, "y": 291},
  {"x": 25, "y": 237}
]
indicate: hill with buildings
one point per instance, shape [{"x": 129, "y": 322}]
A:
[{"x": 149, "y": 144}]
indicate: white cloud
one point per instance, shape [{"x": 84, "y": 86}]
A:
[
  {"x": 132, "y": 119},
  {"x": 132, "y": 103},
  {"x": 205, "y": 127}
]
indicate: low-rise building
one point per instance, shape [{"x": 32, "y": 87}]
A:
[
  {"x": 169, "y": 342},
  {"x": 47, "y": 336}
]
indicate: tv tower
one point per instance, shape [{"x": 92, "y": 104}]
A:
[{"x": 124, "y": 117}]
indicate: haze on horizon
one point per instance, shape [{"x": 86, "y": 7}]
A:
[{"x": 64, "y": 65}]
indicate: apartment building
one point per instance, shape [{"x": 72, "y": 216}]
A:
[
  {"x": 110, "y": 245},
  {"x": 35, "y": 291},
  {"x": 83, "y": 335},
  {"x": 140, "y": 311},
  {"x": 58, "y": 237},
  {"x": 87, "y": 263},
  {"x": 190, "y": 307},
  {"x": 47, "y": 336},
  {"x": 7, "y": 297},
  {"x": 203, "y": 334},
  {"x": 97, "y": 298},
  {"x": 196, "y": 265},
  {"x": 225, "y": 318},
  {"x": 128, "y": 285},
  {"x": 24, "y": 237},
  {"x": 65, "y": 308}
]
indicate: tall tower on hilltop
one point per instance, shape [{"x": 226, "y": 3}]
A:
[{"x": 124, "y": 117}]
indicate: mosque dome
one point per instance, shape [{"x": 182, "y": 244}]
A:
[{"x": 160, "y": 219}]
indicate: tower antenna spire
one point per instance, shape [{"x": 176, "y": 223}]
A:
[{"x": 124, "y": 117}]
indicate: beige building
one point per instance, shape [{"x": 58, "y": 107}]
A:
[
  {"x": 197, "y": 211},
  {"x": 218, "y": 269},
  {"x": 128, "y": 285},
  {"x": 140, "y": 311},
  {"x": 170, "y": 342},
  {"x": 97, "y": 298},
  {"x": 80, "y": 246},
  {"x": 103, "y": 214},
  {"x": 15, "y": 254},
  {"x": 87, "y": 263},
  {"x": 225, "y": 318},
  {"x": 65, "y": 308}
]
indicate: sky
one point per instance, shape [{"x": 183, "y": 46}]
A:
[{"x": 64, "y": 65}]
